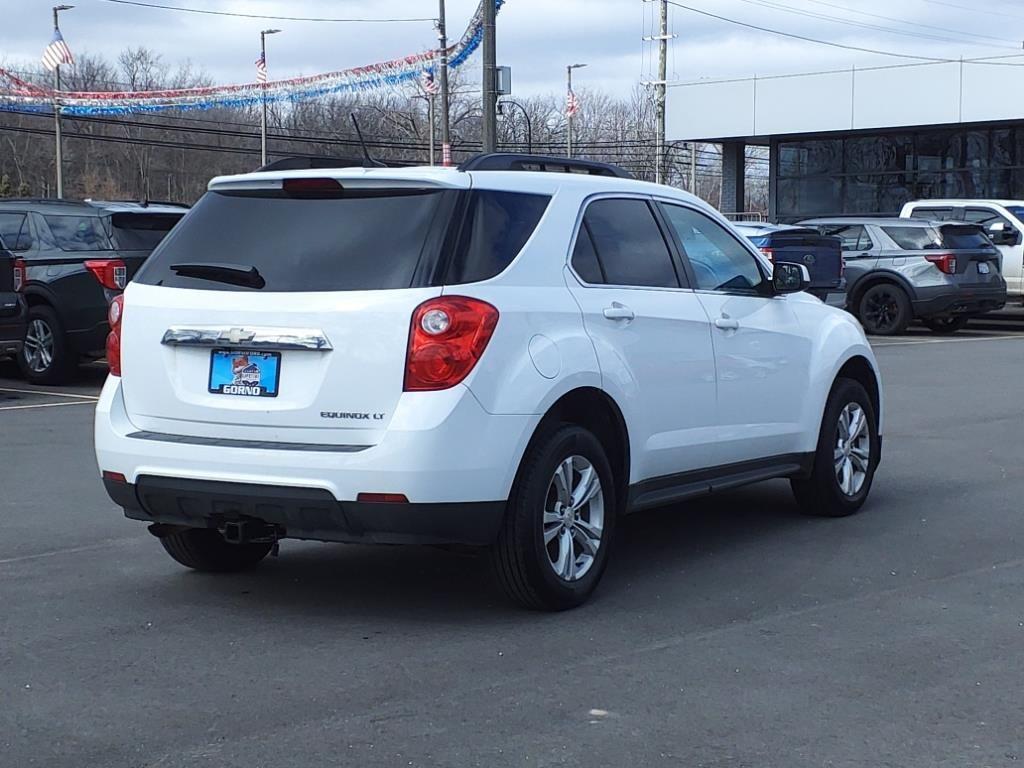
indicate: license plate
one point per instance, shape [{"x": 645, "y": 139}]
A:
[
  {"x": 244, "y": 374},
  {"x": 983, "y": 268}
]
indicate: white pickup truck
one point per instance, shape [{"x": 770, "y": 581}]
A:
[{"x": 1003, "y": 220}]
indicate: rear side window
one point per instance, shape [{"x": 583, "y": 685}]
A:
[
  {"x": 140, "y": 231},
  {"x": 963, "y": 236},
  {"x": 14, "y": 231},
  {"x": 914, "y": 238},
  {"x": 495, "y": 229},
  {"x": 360, "y": 240},
  {"x": 853, "y": 236},
  {"x": 584, "y": 259},
  {"x": 935, "y": 214},
  {"x": 77, "y": 233},
  {"x": 629, "y": 246}
]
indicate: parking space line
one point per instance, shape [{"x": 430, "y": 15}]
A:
[
  {"x": 50, "y": 394},
  {"x": 879, "y": 345},
  {"x": 44, "y": 405}
]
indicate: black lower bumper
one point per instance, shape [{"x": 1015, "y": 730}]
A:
[
  {"x": 305, "y": 513},
  {"x": 960, "y": 303},
  {"x": 13, "y": 322}
]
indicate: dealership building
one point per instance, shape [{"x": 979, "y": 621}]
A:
[{"x": 864, "y": 140}]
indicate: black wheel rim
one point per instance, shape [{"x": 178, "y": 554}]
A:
[{"x": 881, "y": 311}]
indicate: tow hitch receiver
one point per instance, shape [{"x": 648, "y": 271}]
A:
[{"x": 250, "y": 532}]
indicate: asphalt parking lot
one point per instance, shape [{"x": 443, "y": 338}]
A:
[{"x": 730, "y": 632}]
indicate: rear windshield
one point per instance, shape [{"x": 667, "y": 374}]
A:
[
  {"x": 361, "y": 240},
  {"x": 964, "y": 236},
  {"x": 76, "y": 233},
  {"x": 140, "y": 231},
  {"x": 954, "y": 236}
]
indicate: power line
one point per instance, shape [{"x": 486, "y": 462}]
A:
[
  {"x": 975, "y": 9},
  {"x": 141, "y": 4},
  {"x": 804, "y": 38}
]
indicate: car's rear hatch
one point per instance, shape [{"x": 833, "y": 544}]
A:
[
  {"x": 964, "y": 250},
  {"x": 821, "y": 254},
  {"x": 281, "y": 314},
  {"x": 134, "y": 234}
]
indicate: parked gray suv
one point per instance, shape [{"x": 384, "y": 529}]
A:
[{"x": 899, "y": 270}]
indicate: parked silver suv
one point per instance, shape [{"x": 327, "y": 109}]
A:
[{"x": 899, "y": 270}]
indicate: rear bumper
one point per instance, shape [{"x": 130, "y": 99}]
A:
[
  {"x": 961, "y": 302},
  {"x": 456, "y": 474},
  {"x": 305, "y": 513}
]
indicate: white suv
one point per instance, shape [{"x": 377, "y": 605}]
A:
[{"x": 499, "y": 355}]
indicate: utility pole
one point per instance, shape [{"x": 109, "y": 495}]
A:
[
  {"x": 262, "y": 74},
  {"x": 661, "y": 92},
  {"x": 571, "y": 107},
  {"x": 693, "y": 167},
  {"x": 490, "y": 126},
  {"x": 59, "y": 156},
  {"x": 430, "y": 121},
  {"x": 442, "y": 37}
]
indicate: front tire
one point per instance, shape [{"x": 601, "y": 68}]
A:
[
  {"x": 46, "y": 356},
  {"x": 557, "y": 532},
  {"x": 885, "y": 310},
  {"x": 204, "y": 549},
  {"x": 945, "y": 325},
  {"x": 847, "y": 455}
]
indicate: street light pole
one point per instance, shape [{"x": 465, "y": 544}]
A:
[
  {"x": 442, "y": 42},
  {"x": 526, "y": 117},
  {"x": 490, "y": 132},
  {"x": 59, "y": 157},
  {"x": 263, "y": 91},
  {"x": 569, "y": 108}
]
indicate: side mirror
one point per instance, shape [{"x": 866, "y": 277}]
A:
[
  {"x": 788, "y": 277},
  {"x": 1001, "y": 233}
]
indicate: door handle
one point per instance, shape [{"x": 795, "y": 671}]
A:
[
  {"x": 727, "y": 324},
  {"x": 619, "y": 312}
]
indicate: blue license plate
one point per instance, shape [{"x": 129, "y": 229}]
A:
[{"x": 244, "y": 374}]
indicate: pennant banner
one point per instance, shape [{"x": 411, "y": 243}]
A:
[{"x": 18, "y": 94}]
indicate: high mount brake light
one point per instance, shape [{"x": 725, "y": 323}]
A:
[
  {"x": 20, "y": 275},
  {"x": 312, "y": 188},
  {"x": 115, "y": 316},
  {"x": 946, "y": 262},
  {"x": 447, "y": 337},
  {"x": 111, "y": 273}
]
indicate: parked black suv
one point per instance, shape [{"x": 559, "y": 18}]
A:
[
  {"x": 78, "y": 256},
  {"x": 13, "y": 310}
]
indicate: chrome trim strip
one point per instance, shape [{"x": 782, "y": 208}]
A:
[
  {"x": 262, "y": 445},
  {"x": 247, "y": 338}
]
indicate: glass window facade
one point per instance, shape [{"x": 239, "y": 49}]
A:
[{"x": 878, "y": 173}]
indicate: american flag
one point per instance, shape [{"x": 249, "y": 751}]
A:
[
  {"x": 429, "y": 83},
  {"x": 57, "y": 52},
  {"x": 261, "y": 69},
  {"x": 572, "y": 104}
]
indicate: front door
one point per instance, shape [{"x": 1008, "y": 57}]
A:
[
  {"x": 761, "y": 352},
  {"x": 1012, "y": 255},
  {"x": 650, "y": 332}
]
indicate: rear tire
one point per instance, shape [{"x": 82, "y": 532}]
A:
[
  {"x": 884, "y": 310},
  {"x": 46, "y": 357},
  {"x": 555, "y": 540},
  {"x": 945, "y": 325},
  {"x": 204, "y": 549},
  {"x": 842, "y": 474}
]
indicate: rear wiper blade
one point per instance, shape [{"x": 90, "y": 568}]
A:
[{"x": 232, "y": 274}]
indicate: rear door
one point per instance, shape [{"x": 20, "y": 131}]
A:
[{"x": 282, "y": 315}]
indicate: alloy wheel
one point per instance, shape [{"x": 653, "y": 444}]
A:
[
  {"x": 882, "y": 311},
  {"x": 852, "y": 456},
  {"x": 39, "y": 346},
  {"x": 573, "y": 518}
]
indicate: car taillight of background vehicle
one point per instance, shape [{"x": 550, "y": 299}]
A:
[
  {"x": 769, "y": 253},
  {"x": 946, "y": 262},
  {"x": 447, "y": 338},
  {"x": 115, "y": 315},
  {"x": 111, "y": 273},
  {"x": 20, "y": 275}
]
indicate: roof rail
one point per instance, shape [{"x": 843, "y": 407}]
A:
[{"x": 509, "y": 161}]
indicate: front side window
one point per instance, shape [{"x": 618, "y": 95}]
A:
[
  {"x": 14, "y": 231},
  {"x": 78, "y": 233},
  {"x": 719, "y": 261},
  {"x": 627, "y": 245}
]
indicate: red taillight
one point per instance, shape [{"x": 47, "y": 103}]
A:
[
  {"x": 111, "y": 273},
  {"x": 20, "y": 275},
  {"x": 448, "y": 335},
  {"x": 769, "y": 253},
  {"x": 382, "y": 498},
  {"x": 946, "y": 262},
  {"x": 115, "y": 315}
]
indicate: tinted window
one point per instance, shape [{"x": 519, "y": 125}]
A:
[
  {"x": 719, "y": 261},
  {"x": 14, "y": 231},
  {"x": 983, "y": 216},
  {"x": 496, "y": 228},
  {"x": 140, "y": 231},
  {"x": 936, "y": 214},
  {"x": 962, "y": 236},
  {"x": 78, "y": 233},
  {"x": 1016, "y": 210},
  {"x": 363, "y": 240},
  {"x": 584, "y": 259},
  {"x": 914, "y": 238},
  {"x": 629, "y": 244},
  {"x": 853, "y": 236}
]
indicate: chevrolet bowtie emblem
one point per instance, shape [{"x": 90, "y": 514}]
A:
[{"x": 238, "y": 335}]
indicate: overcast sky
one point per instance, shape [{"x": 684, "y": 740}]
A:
[{"x": 537, "y": 38}]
